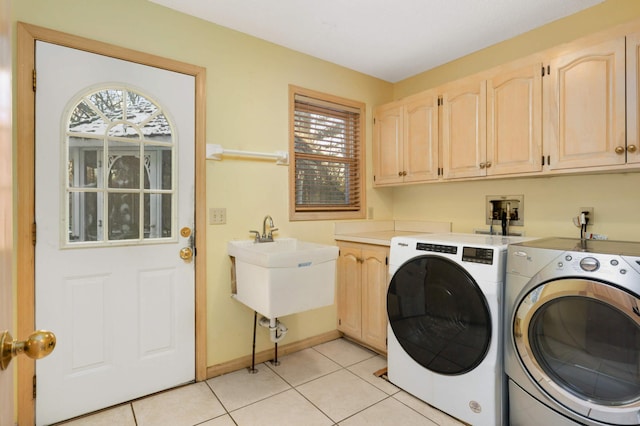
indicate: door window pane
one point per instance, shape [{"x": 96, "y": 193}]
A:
[
  {"x": 119, "y": 161},
  {"x": 84, "y": 224}
]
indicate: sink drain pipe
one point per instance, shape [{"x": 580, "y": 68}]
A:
[
  {"x": 277, "y": 331},
  {"x": 276, "y": 328}
]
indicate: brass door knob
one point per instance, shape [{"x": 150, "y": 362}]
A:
[
  {"x": 619, "y": 150},
  {"x": 631, "y": 148},
  {"x": 186, "y": 253},
  {"x": 39, "y": 344}
]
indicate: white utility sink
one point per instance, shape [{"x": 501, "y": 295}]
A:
[{"x": 283, "y": 277}]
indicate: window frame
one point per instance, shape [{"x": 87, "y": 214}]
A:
[{"x": 332, "y": 213}]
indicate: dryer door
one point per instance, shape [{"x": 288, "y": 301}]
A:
[
  {"x": 439, "y": 315},
  {"x": 579, "y": 340}
]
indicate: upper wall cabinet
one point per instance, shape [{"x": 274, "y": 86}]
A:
[
  {"x": 575, "y": 108},
  {"x": 464, "y": 134},
  {"x": 405, "y": 141},
  {"x": 514, "y": 120},
  {"x": 493, "y": 127},
  {"x": 584, "y": 107},
  {"x": 632, "y": 150}
]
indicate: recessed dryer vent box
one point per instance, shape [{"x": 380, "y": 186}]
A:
[{"x": 511, "y": 205}]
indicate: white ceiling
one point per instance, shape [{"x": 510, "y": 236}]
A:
[{"x": 387, "y": 39}]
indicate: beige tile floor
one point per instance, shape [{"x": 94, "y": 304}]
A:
[{"x": 329, "y": 384}]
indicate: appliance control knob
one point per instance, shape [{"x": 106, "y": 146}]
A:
[{"x": 589, "y": 264}]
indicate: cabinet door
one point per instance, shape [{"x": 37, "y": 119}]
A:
[
  {"x": 387, "y": 144},
  {"x": 421, "y": 139},
  {"x": 350, "y": 291},
  {"x": 633, "y": 99},
  {"x": 464, "y": 129},
  {"x": 514, "y": 121},
  {"x": 584, "y": 106},
  {"x": 374, "y": 296}
]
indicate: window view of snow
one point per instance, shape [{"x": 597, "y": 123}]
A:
[{"x": 120, "y": 149}]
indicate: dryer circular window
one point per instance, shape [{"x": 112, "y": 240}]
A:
[
  {"x": 439, "y": 315},
  {"x": 579, "y": 339}
]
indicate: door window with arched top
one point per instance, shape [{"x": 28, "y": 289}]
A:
[{"x": 120, "y": 164}]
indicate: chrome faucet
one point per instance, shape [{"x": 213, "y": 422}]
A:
[
  {"x": 265, "y": 237},
  {"x": 269, "y": 236}
]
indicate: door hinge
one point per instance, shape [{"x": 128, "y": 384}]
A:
[
  {"x": 386, "y": 260},
  {"x": 440, "y": 102},
  {"x": 374, "y": 120},
  {"x": 339, "y": 321},
  {"x": 34, "y": 79},
  {"x": 34, "y": 230},
  {"x": 34, "y": 386},
  {"x": 543, "y": 160}
]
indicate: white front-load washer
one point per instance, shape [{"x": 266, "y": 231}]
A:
[
  {"x": 572, "y": 332},
  {"x": 444, "y": 305}
]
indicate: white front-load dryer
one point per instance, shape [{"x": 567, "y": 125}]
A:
[{"x": 444, "y": 307}]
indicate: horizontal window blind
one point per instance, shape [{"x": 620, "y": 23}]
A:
[{"x": 326, "y": 156}]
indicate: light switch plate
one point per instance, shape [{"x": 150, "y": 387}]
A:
[{"x": 217, "y": 216}]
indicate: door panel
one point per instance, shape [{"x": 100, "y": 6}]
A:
[
  {"x": 122, "y": 308},
  {"x": 6, "y": 209}
]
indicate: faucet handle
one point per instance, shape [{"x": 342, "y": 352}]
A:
[
  {"x": 271, "y": 232},
  {"x": 257, "y": 238}
]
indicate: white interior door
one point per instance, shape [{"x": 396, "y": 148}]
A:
[{"x": 114, "y": 189}]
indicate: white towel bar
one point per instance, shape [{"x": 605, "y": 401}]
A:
[{"x": 215, "y": 152}]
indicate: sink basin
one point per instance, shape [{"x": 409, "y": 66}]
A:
[{"x": 283, "y": 277}]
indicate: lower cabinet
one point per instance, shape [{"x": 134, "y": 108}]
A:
[{"x": 362, "y": 293}]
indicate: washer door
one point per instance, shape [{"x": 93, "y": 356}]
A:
[
  {"x": 439, "y": 315},
  {"x": 580, "y": 342}
]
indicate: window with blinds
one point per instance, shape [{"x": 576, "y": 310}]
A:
[{"x": 326, "y": 174}]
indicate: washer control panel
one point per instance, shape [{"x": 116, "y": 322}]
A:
[
  {"x": 437, "y": 248},
  {"x": 469, "y": 254},
  {"x": 477, "y": 255}
]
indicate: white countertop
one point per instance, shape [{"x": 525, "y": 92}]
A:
[{"x": 381, "y": 232}]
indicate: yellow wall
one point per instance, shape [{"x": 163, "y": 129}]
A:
[
  {"x": 247, "y": 79},
  {"x": 550, "y": 203},
  {"x": 247, "y": 108}
]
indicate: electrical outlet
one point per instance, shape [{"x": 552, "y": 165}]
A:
[
  {"x": 589, "y": 211},
  {"x": 217, "y": 216}
]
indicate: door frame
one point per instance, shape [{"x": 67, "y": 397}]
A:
[{"x": 27, "y": 35}]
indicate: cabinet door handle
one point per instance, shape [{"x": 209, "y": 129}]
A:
[
  {"x": 399, "y": 173},
  {"x": 488, "y": 164},
  {"x": 619, "y": 150},
  {"x": 482, "y": 165},
  {"x": 404, "y": 173},
  {"x": 631, "y": 148},
  {"x": 360, "y": 260}
]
